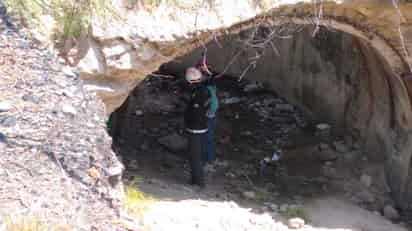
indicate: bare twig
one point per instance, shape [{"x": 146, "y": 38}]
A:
[
  {"x": 246, "y": 70},
  {"x": 405, "y": 50},
  {"x": 216, "y": 40},
  {"x": 248, "y": 180},
  {"x": 318, "y": 16},
  {"x": 230, "y": 63},
  {"x": 259, "y": 41},
  {"x": 275, "y": 50}
]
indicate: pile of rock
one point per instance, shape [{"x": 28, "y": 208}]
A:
[{"x": 52, "y": 142}]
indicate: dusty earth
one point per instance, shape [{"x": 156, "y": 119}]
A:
[{"x": 327, "y": 181}]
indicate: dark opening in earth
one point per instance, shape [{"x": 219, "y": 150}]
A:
[{"x": 311, "y": 97}]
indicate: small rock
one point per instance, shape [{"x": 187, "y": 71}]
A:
[
  {"x": 133, "y": 164},
  {"x": 348, "y": 140},
  {"x": 128, "y": 224},
  {"x": 139, "y": 112},
  {"x": 272, "y": 101},
  {"x": 285, "y": 107},
  {"x": 249, "y": 195},
  {"x": 231, "y": 100},
  {"x": 155, "y": 181},
  {"x": 223, "y": 163},
  {"x": 115, "y": 174},
  {"x": 252, "y": 87},
  {"x": 3, "y": 138},
  {"x": 377, "y": 213},
  {"x": 327, "y": 155},
  {"x": 355, "y": 200},
  {"x": 39, "y": 82},
  {"x": 323, "y": 131},
  {"x": 8, "y": 121},
  {"x": 274, "y": 207},
  {"x": 5, "y": 106},
  {"x": 31, "y": 98},
  {"x": 283, "y": 208},
  {"x": 366, "y": 196},
  {"x": 296, "y": 223},
  {"x": 173, "y": 142},
  {"x": 274, "y": 214},
  {"x": 68, "y": 109},
  {"x": 340, "y": 147},
  {"x": 323, "y": 127},
  {"x": 357, "y": 145},
  {"x": 209, "y": 168},
  {"x": 265, "y": 209},
  {"x": 352, "y": 156},
  {"x": 155, "y": 130},
  {"x": 115, "y": 170},
  {"x": 329, "y": 171},
  {"x": 144, "y": 147},
  {"x": 68, "y": 72},
  {"x": 366, "y": 180},
  {"x": 230, "y": 174},
  {"x": 390, "y": 213},
  {"x": 323, "y": 146},
  {"x": 94, "y": 173},
  {"x": 246, "y": 133}
]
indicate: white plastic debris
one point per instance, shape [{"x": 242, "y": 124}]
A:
[
  {"x": 276, "y": 156},
  {"x": 139, "y": 112},
  {"x": 252, "y": 87}
]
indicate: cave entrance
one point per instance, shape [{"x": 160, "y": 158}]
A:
[{"x": 311, "y": 97}]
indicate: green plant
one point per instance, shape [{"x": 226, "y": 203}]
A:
[
  {"x": 136, "y": 202},
  {"x": 25, "y": 10},
  {"x": 71, "y": 16},
  {"x": 262, "y": 195},
  {"x": 292, "y": 212},
  {"x": 182, "y": 4}
]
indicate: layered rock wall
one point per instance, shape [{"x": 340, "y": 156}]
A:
[{"x": 113, "y": 58}]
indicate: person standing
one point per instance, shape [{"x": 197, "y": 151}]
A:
[
  {"x": 196, "y": 123},
  {"x": 210, "y": 83}
]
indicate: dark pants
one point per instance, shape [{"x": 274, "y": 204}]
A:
[
  {"x": 195, "y": 149},
  {"x": 209, "y": 141}
]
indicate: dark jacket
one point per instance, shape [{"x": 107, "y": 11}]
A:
[{"x": 195, "y": 114}]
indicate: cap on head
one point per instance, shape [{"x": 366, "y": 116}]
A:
[{"x": 193, "y": 75}]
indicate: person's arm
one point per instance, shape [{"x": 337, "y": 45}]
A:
[{"x": 203, "y": 99}]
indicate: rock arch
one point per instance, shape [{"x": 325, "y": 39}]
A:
[{"x": 114, "y": 66}]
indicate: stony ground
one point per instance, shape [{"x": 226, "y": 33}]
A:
[
  {"x": 179, "y": 207},
  {"x": 56, "y": 157},
  {"x": 314, "y": 174}
]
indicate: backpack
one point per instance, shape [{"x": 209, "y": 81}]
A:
[{"x": 214, "y": 103}]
